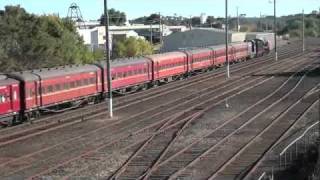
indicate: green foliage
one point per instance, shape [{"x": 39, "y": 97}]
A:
[
  {"x": 116, "y": 18},
  {"x": 293, "y": 25},
  {"x": 196, "y": 21},
  {"x": 98, "y": 54},
  {"x": 132, "y": 47},
  {"x": 153, "y": 19},
  {"x": 210, "y": 20},
  {"x": 28, "y": 41}
]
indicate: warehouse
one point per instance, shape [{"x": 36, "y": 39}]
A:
[{"x": 199, "y": 37}]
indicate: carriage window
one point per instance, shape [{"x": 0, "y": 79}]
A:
[
  {"x": 113, "y": 76},
  {"x": 57, "y": 87},
  {"x": 66, "y": 86},
  {"x": 93, "y": 80},
  {"x": 72, "y": 84},
  {"x": 31, "y": 93},
  {"x": 15, "y": 95},
  {"x": 119, "y": 75},
  {"x": 124, "y": 74},
  {"x": 85, "y": 82},
  {"x": 43, "y": 90},
  {"x": 2, "y": 99},
  {"x": 79, "y": 83},
  {"x": 50, "y": 89}
]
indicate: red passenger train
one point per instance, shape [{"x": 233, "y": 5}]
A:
[{"x": 24, "y": 95}]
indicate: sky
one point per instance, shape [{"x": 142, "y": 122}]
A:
[{"x": 92, "y": 9}]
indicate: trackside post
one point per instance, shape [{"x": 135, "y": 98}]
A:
[{"x": 109, "y": 81}]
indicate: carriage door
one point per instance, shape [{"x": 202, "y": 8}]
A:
[
  {"x": 35, "y": 93},
  {"x": 10, "y": 98},
  {"x": 4, "y": 106}
]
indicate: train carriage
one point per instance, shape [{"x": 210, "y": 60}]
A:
[
  {"x": 9, "y": 99},
  {"x": 241, "y": 50},
  {"x": 68, "y": 84},
  {"x": 29, "y": 93},
  {"x": 128, "y": 74},
  {"x": 220, "y": 54},
  {"x": 200, "y": 59},
  {"x": 169, "y": 66},
  {"x": 43, "y": 89}
]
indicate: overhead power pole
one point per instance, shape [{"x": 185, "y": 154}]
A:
[
  {"x": 303, "y": 36},
  {"x": 227, "y": 43},
  {"x": 160, "y": 29},
  {"x": 238, "y": 20},
  {"x": 109, "y": 81},
  {"x": 275, "y": 31},
  {"x": 151, "y": 34}
]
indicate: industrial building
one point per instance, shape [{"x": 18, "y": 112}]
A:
[
  {"x": 198, "y": 37},
  {"x": 94, "y": 36}
]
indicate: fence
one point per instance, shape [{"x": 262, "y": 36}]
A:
[{"x": 290, "y": 153}]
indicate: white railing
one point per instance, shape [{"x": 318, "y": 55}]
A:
[
  {"x": 294, "y": 146},
  {"x": 292, "y": 150}
]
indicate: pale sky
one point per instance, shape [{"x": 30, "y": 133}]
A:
[{"x": 92, "y": 9}]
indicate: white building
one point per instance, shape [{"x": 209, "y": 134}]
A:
[
  {"x": 203, "y": 18},
  {"x": 95, "y": 38}
]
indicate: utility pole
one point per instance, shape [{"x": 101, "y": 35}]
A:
[
  {"x": 261, "y": 27},
  {"x": 319, "y": 118},
  {"x": 109, "y": 81},
  {"x": 151, "y": 34},
  {"x": 160, "y": 27},
  {"x": 275, "y": 31},
  {"x": 227, "y": 43},
  {"x": 303, "y": 40},
  {"x": 190, "y": 22},
  {"x": 238, "y": 20}
]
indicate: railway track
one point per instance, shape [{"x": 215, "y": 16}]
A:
[
  {"x": 98, "y": 111},
  {"x": 256, "y": 170},
  {"x": 138, "y": 168},
  {"x": 146, "y": 125},
  {"x": 81, "y": 156},
  {"x": 251, "y": 152}
]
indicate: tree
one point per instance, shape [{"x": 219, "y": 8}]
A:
[
  {"x": 195, "y": 21},
  {"x": 28, "y": 41},
  {"x": 132, "y": 47},
  {"x": 153, "y": 19},
  {"x": 116, "y": 18},
  {"x": 210, "y": 20}
]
